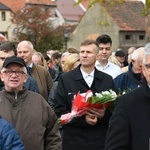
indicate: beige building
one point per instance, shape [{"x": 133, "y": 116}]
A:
[{"x": 6, "y": 27}]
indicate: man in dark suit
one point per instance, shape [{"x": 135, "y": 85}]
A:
[
  {"x": 129, "y": 127},
  {"x": 88, "y": 131}
]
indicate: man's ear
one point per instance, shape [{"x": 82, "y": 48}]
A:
[
  {"x": 1, "y": 76},
  {"x": 97, "y": 56},
  {"x": 133, "y": 61}
]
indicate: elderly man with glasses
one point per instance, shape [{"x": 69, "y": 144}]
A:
[
  {"x": 129, "y": 127},
  {"x": 29, "y": 113}
]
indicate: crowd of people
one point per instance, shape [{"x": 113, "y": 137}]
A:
[{"x": 36, "y": 89}]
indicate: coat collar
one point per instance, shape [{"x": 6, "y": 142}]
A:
[
  {"x": 78, "y": 74},
  {"x": 136, "y": 77}
]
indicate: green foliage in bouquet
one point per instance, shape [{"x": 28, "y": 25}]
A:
[{"x": 103, "y": 97}]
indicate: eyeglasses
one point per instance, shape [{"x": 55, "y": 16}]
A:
[
  {"x": 2, "y": 58},
  {"x": 11, "y": 72},
  {"x": 147, "y": 66}
]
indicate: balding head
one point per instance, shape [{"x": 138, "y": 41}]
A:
[
  {"x": 131, "y": 50},
  {"x": 138, "y": 54},
  {"x": 26, "y": 43},
  {"x": 25, "y": 50},
  {"x": 137, "y": 58}
]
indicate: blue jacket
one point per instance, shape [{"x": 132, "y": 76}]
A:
[
  {"x": 9, "y": 138},
  {"x": 127, "y": 81},
  {"x": 31, "y": 84}
]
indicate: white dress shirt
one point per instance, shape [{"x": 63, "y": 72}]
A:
[
  {"x": 110, "y": 69},
  {"x": 88, "y": 77}
]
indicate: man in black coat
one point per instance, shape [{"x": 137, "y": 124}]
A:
[
  {"x": 129, "y": 127},
  {"x": 88, "y": 131}
]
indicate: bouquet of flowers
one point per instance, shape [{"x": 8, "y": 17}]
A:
[{"x": 87, "y": 100}]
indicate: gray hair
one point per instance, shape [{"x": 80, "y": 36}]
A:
[
  {"x": 64, "y": 54},
  {"x": 24, "y": 70},
  {"x": 146, "y": 52},
  {"x": 137, "y": 55}
]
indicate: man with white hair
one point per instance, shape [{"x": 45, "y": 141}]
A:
[
  {"x": 132, "y": 78},
  {"x": 129, "y": 126}
]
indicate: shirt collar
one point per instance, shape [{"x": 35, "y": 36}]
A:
[
  {"x": 84, "y": 74},
  {"x": 31, "y": 65},
  {"x": 97, "y": 64}
]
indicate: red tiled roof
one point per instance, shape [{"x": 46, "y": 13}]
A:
[
  {"x": 128, "y": 15},
  {"x": 18, "y": 4},
  {"x": 14, "y": 6}
]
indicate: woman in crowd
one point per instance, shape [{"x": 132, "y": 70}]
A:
[{"x": 71, "y": 62}]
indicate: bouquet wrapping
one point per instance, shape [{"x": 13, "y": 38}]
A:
[{"x": 87, "y": 100}]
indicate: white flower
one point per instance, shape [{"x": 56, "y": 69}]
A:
[
  {"x": 123, "y": 92},
  {"x": 113, "y": 94},
  {"x": 99, "y": 95},
  {"x": 105, "y": 92},
  {"x": 104, "y": 97}
]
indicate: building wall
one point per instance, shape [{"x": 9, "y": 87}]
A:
[
  {"x": 9, "y": 28},
  {"x": 129, "y": 39},
  {"x": 90, "y": 24},
  {"x": 6, "y": 26}
]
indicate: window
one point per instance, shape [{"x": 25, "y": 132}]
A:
[
  {"x": 3, "y": 16},
  {"x": 128, "y": 37},
  {"x": 141, "y": 37}
]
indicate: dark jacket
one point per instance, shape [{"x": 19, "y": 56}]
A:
[
  {"x": 9, "y": 138},
  {"x": 33, "y": 119},
  {"x": 78, "y": 135},
  {"x": 52, "y": 72},
  {"x": 129, "y": 127},
  {"x": 52, "y": 95},
  {"x": 127, "y": 81}
]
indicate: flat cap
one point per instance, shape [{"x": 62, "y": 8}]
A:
[{"x": 120, "y": 53}]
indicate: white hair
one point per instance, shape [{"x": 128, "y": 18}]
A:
[
  {"x": 135, "y": 55},
  {"x": 146, "y": 52},
  {"x": 64, "y": 54}
]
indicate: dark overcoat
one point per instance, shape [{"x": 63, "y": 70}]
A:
[
  {"x": 78, "y": 135},
  {"x": 130, "y": 123}
]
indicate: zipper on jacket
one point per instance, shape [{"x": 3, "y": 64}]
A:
[{"x": 16, "y": 95}]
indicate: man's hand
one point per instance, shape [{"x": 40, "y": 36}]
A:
[
  {"x": 99, "y": 113},
  {"x": 90, "y": 118}
]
